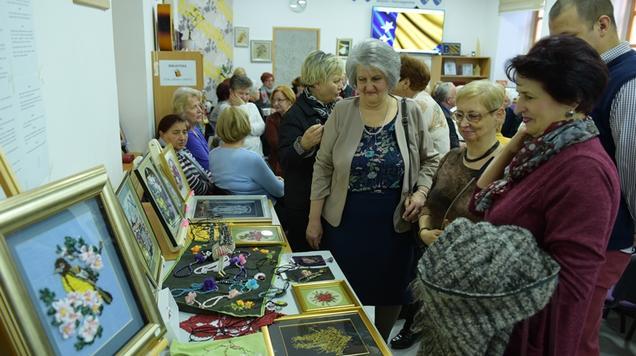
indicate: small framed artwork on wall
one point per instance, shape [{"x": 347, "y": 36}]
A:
[
  {"x": 261, "y": 51},
  {"x": 343, "y": 46},
  {"x": 241, "y": 36}
]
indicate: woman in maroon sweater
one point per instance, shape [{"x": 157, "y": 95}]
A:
[{"x": 555, "y": 179}]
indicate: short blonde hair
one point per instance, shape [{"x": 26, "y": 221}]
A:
[
  {"x": 318, "y": 67},
  {"x": 181, "y": 96},
  {"x": 286, "y": 91},
  {"x": 233, "y": 125},
  {"x": 490, "y": 94}
]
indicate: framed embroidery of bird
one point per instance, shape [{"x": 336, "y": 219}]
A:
[
  {"x": 71, "y": 283},
  {"x": 149, "y": 251}
]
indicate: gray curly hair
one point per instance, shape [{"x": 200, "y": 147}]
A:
[{"x": 377, "y": 54}]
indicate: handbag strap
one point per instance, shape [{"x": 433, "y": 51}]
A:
[{"x": 405, "y": 123}]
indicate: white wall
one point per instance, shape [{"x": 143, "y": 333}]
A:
[
  {"x": 77, "y": 71},
  {"x": 134, "y": 43},
  {"x": 514, "y": 39},
  {"x": 466, "y": 21}
]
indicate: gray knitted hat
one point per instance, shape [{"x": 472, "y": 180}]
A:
[{"x": 475, "y": 282}]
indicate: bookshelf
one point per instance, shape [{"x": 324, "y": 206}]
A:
[{"x": 459, "y": 69}]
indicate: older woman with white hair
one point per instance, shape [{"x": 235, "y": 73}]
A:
[
  {"x": 186, "y": 102},
  {"x": 372, "y": 174},
  {"x": 299, "y": 135}
]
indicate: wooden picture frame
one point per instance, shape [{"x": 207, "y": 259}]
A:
[
  {"x": 172, "y": 168},
  {"x": 324, "y": 296},
  {"x": 8, "y": 180},
  {"x": 260, "y": 51},
  {"x": 231, "y": 208},
  {"x": 100, "y": 4},
  {"x": 149, "y": 251},
  {"x": 301, "y": 334},
  {"x": 343, "y": 47},
  {"x": 257, "y": 235},
  {"x": 241, "y": 36},
  {"x": 71, "y": 283},
  {"x": 169, "y": 215}
]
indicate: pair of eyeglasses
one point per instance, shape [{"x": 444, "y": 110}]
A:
[{"x": 472, "y": 116}]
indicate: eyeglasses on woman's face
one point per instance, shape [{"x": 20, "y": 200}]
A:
[{"x": 471, "y": 116}]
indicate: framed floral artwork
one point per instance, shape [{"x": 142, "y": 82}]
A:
[
  {"x": 172, "y": 168},
  {"x": 168, "y": 213},
  {"x": 231, "y": 208},
  {"x": 343, "y": 47},
  {"x": 252, "y": 235},
  {"x": 336, "y": 333},
  {"x": 241, "y": 36},
  {"x": 141, "y": 230},
  {"x": 71, "y": 281},
  {"x": 324, "y": 296},
  {"x": 261, "y": 51}
]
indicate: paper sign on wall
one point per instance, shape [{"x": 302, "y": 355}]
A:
[{"x": 177, "y": 73}]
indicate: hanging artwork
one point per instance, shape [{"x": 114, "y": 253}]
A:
[
  {"x": 261, "y": 51},
  {"x": 340, "y": 333},
  {"x": 70, "y": 278},
  {"x": 324, "y": 296},
  {"x": 241, "y": 36},
  {"x": 141, "y": 229}
]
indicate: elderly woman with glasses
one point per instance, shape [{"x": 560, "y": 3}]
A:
[
  {"x": 479, "y": 113},
  {"x": 186, "y": 102},
  {"x": 282, "y": 99},
  {"x": 371, "y": 178},
  {"x": 555, "y": 179}
]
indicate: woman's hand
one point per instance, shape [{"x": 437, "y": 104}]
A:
[
  {"x": 235, "y": 100},
  {"x": 412, "y": 206},
  {"x": 311, "y": 137},
  {"x": 429, "y": 236},
  {"x": 314, "y": 233},
  {"x": 516, "y": 142}
]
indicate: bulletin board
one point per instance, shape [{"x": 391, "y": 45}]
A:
[
  {"x": 170, "y": 71},
  {"x": 291, "y": 45}
]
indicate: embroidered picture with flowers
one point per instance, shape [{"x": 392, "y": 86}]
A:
[
  {"x": 323, "y": 296},
  {"x": 76, "y": 315}
]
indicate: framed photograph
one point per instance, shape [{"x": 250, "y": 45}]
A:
[
  {"x": 158, "y": 195},
  {"x": 260, "y": 51},
  {"x": 324, "y": 296},
  {"x": 343, "y": 47},
  {"x": 231, "y": 208},
  {"x": 8, "y": 180},
  {"x": 467, "y": 69},
  {"x": 241, "y": 36},
  {"x": 141, "y": 230},
  {"x": 450, "y": 68},
  {"x": 336, "y": 333},
  {"x": 172, "y": 168},
  {"x": 71, "y": 282},
  {"x": 257, "y": 235},
  {"x": 100, "y": 4}
]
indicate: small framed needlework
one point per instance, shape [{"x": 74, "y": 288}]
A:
[
  {"x": 252, "y": 235},
  {"x": 336, "y": 333},
  {"x": 172, "y": 168},
  {"x": 324, "y": 296},
  {"x": 71, "y": 282},
  {"x": 231, "y": 208},
  {"x": 241, "y": 36},
  {"x": 343, "y": 46},
  {"x": 261, "y": 51},
  {"x": 141, "y": 229}
]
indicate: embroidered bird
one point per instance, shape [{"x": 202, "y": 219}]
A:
[{"x": 74, "y": 281}]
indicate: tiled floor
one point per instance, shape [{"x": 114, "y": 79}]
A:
[{"x": 612, "y": 341}]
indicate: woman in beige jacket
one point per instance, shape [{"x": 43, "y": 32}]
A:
[{"x": 370, "y": 181}]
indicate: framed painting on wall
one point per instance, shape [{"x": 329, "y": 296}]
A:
[
  {"x": 324, "y": 296},
  {"x": 336, "y": 333},
  {"x": 241, "y": 36},
  {"x": 141, "y": 229},
  {"x": 231, "y": 208},
  {"x": 260, "y": 51},
  {"x": 70, "y": 278},
  {"x": 343, "y": 47}
]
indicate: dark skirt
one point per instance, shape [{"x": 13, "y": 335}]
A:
[{"x": 377, "y": 261}]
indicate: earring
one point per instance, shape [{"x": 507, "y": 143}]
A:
[{"x": 569, "y": 114}]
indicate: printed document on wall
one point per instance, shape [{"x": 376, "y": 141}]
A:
[{"x": 22, "y": 116}]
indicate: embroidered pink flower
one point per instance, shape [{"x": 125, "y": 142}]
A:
[
  {"x": 190, "y": 298},
  {"x": 74, "y": 298},
  {"x": 89, "y": 328},
  {"x": 67, "y": 329},
  {"x": 233, "y": 294},
  {"x": 97, "y": 262},
  {"x": 63, "y": 310}
]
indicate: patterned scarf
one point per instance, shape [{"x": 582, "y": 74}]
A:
[
  {"x": 534, "y": 153},
  {"x": 322, "y": 109}
]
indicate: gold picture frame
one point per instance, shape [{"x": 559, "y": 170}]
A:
[
  {"x": 324, "y": 296},
  {"x": 149, "y": 251},
  {"x": 70, "y": 239},
  {"x": 8, "y": 180},
  {"x": 172, "y": 168},
  {"x": 100, "y": 4},
  {"x": 300, "y": 334},
  {"x": 257, "y": 235}
]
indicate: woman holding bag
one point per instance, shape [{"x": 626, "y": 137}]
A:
[{"x": 370, "y": 181}]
